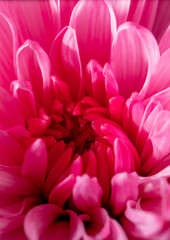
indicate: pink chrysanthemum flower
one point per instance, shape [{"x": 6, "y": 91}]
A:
[{"x": 84, "y": 120}]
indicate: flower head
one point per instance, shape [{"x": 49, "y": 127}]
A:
[{"x": 85, "y": 120}]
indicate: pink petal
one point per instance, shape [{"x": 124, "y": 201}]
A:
[
  {"x": 164, "y": 43},
  {"x": 62, "y": 191},
  {"x": 71, "y": 62},
  {"x": 24, "y": 98},
  {"x": 121, "y": 10},
  {"x": 66, "y": 8},
  {"x": 162, "y": 19},
  {"x": 13, "y": 184},
  {"x": 160, "y": 76},
  {"x": 10, "y": 115},
  {"x": 137, "y": 44},
  {"x": 87, "y": 193},
  {"x": 126, "y": 186},
  {"x": 17, "y": 233},
  {"x": 91, "y": 167},
  {"x": 95, "y": 25},
  {"x": 139, "y": 223},
  {"x": 33, "y": 18},
  {"x": 123, "y": 157},
  {"x": 33, "y": 66},
  {"x": 35, "y": 163},
  {"x": 97, "y": 226},
  {"x": 117, "y": 231},
  {"x": 11, "y": 153},
  {"x": 8, "y": 224},
  {"x": 116, "y": 106},
  {"x": 8, "y": 46}
]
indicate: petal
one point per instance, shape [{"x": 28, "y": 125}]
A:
[
  {"x": 33, "y": 18},
  {"x": 62, "y": 191},
  {"x": 10, "y": 115},
  {"x": 139, "y": 223},
  {"x": 35, "y": 163},
  {"x": 8, "y": 47},
  {"x": 126, "y": 186},
  {"x": 66, "y": 8},
  {"x": 159, "y": 79},
  {"x": 121, "y": 10},
  {"x": 117, "y": 231},
  {"x": 87, "y": 193},
  {"x": 71, "y": 62},
  {"x": 33, "y": 66},
  {"x": 137, "y": 44},
  {"x": 165, "y": 43},
  {"x": 95, "y": 25},
  {"x": 11, "y": 153},
  {"x": 162, "y": 19}
]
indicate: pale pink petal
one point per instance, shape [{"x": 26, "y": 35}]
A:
[
  {"x": 117, "y": 231},
  {"x": 11, "y": 153},
  {"x": 126, "y": 186},
  {"x": 10, "y": 115},
  {"x": 33, "y": 18},
  {"x": 8, "y": 46},
  {"x": 87, "y": 193},
  {"x": 62, "y": 191},
  {"x": 159, "y": 79},
  {"x": 95, "y": 25},
  {"x": 35, "y": 163},
  {"x": 33, "y": 65},
  {"x": 139, "y": 223},
  {"x": 165, "y": 43},
  {"x": 121, "y": 10},
  {"x": 134, "y": 52}
]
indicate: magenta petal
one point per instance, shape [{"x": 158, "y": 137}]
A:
[
  {"x": 39, "y": 218},
  {"x": 62, "y": 191},
  {"x": 95, "y": 25},
  {"x": 30, "y": 56},
  {"x": 8, "y": 46},
  {"x": 134, "y": 52},
  {"x": 10, "y": 115},
  {"x": 164, "y": 43},
  {"x": 87, "y": 193},
  {"x": 71, "y": 62},
  {"x": 35, "y": 163},
  {"x": 33, "y": 18},
  {"x": 126, "y": 186},
  {"x": 117, "y": 231},
  {"x": 11, "y": 153}
]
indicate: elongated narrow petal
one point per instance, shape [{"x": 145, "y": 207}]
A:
[
  {"x": 8, "y": 45},
  {"x": 31, "y": 56},
  {"x": 95, "y": 25},
  {"x": 35, "y": 163},
  {"x": 164, "y": 43}
]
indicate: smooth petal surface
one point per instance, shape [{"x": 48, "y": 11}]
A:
[
  {"x": 35, "y": 163},
  {"x": 8, "y": 47},
  {"x": 87, "y": 193},
  {"x": 10, "y": 115},
  {"x": 126, "y": 186},
  {"x": 95, "y": 25},
  {"x": 137, "y": 44},
  {"x": 33, "y": 65},
  {"x": 165, "y": 43},
  {"x": 32, "y": 19}
]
